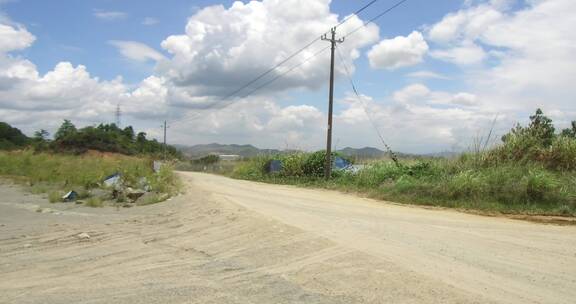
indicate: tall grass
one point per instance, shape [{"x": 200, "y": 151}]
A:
[
  {"x": 46, "y": 172},
  {"x": 471, "y": 181},
  {"x": 532, "y": 171}
]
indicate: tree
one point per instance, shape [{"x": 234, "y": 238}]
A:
[
  {"x": 41, "y": 135},
  {"x": 67, "y": 129},
  {"x": 40, "y": 140},
  {"x": 129, "y": 133},
  {"x": 570, "y": 132},
  {"x": 539, "y": 132},
  {"x": 141, "y": 138},
  {"x": 541, "y": 127}
]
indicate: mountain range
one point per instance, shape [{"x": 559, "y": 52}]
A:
[{"x": 198, "y": 151}]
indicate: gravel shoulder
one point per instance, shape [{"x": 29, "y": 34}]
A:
[{"x": 229, "y": 241}]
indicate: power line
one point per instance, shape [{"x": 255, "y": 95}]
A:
[
  {"x": 356, "y": 13},
  {"x": 270, "y": 70},
  {"x": 266, "y": 83},
  {"x": 286, "y": 72},
  {"x": 361, "y": 101},
  {"x": 388, "y": 10}
]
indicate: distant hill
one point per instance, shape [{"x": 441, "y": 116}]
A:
[
  {"x": 11, "y": 138},
  {"x": 366, "y": 152},
  {"x": 198, "y": 151},
  {"x": 446, "y": 154}
]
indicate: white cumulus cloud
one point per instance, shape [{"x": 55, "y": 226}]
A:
[
  {"x": 398, "y": 52},
  {"x": 223, "y": 48},
  {"x": 136, "y": 50}
]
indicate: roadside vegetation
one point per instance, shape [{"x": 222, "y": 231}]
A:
[
  {"x": 57, "y": 174},
  {"x": 532, "y": 171},
  {"x": 80, "y": 160}
]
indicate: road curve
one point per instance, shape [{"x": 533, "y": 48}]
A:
[
  {"x": 235, "y": 242},
  {"x": 484, "y": 258}
]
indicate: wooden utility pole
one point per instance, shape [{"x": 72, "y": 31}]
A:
[
  {"x": 333, "y": 41},
  {"x": 164, "y": 140}
]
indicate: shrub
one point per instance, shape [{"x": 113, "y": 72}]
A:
[
  {"x": 94, "y": 202},
  {"x": 55, "y": 196},
  {"x": 539, "y": 185},
  {"x": 294, "y": 164},
  {"x": 314, "y": 164}
]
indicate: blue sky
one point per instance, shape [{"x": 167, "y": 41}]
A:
[
  {"x": 67, "y": 30},
  {"x": 433, "y": 74}
]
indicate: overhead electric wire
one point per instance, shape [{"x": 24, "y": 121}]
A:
[
  {"x": 388, "y": 10},
  {"x": 269, "y": 81},
  {"x": 362, "y": 103},
  {"x": 290, "y": 57},
  {"x": 356, "y": 13},
  {"x": 287, "y": 71},
  {"x": 300, "y": 50},
  {"x": 270, "y": 70}
]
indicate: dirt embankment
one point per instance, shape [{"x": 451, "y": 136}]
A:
[{"x": 237, "y": 242}]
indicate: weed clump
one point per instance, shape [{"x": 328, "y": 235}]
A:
[{"x": 94, "y": 202}]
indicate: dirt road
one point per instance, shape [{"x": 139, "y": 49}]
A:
[{"x": 229, "y": 241}]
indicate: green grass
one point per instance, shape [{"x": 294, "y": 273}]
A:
[
  {"x": 94, "y": 202},
  {"x": 55, "y": 196},
  {"x": 56, "y": 174},
  {"x": 151, "y": 199},
  {"x": 469, "y": 182}
]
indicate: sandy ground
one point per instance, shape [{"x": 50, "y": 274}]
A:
[{"x": 229, "y": 241}]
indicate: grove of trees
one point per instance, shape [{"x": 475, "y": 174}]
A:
[{"x": 103, "y": 137}]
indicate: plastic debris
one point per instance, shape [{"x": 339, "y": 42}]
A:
[
  {"x": 112, "y": 180},
  {"x": 341, "y": 163},
  {"x": 274, "y": 166},
  {"x": 70, "y": 196},
  {"x": 157, "y": 166}
]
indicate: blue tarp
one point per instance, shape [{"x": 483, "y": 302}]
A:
[
  {"x": 274, "y": 166},
  {"x": 341, "y": 163}
]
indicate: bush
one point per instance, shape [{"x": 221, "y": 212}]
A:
[
  {"x": 539, "y": 185},
  {"x": 94, "y": 202},
  {"x": 295, "y": 165},
  {"x": 55, "y": 196},
  {"x": 314, "y": 164}
]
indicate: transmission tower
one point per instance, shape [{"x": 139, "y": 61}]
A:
[{"x": 118, "y": 116}]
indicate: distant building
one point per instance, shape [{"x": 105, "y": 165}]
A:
[{"x": 231, "y": 157}]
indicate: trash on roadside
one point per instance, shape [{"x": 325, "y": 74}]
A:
[
  {"x": 157, "y": 166},
  {"x": 144, "y": 184},
  {"x": 341, "y": 163},
  {"x": 354, "y": 169},
  {"x": 70, "y": 196},
  {"x": 113, "y": 180},
  {"x": 274, "y": 166}
]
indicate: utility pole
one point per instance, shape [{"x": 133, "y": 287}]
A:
[
  {"x": 333, "y": 41},
  {"x": 165, "y": 140}
]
